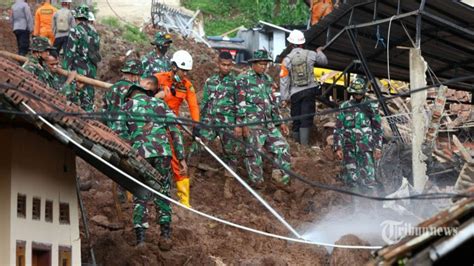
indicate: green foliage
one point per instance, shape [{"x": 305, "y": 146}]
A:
[
  {"x": 111, "y": 22},
  {"x": 133, "y": 34},
  {"x": 224, "y": 15},
  {"x": 7, "y": 3},
  {"x": 128, "y": 32}
]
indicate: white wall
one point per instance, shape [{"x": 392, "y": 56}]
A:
[
  {"x": 279, "y": 43},
  {"x": 46, "y": 169}
]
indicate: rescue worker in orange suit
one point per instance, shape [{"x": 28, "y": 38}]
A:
[
  {"x": 320, "y": 8},
  {"x": 177, "y": 88},
  {"x": 44, "y": 21}
]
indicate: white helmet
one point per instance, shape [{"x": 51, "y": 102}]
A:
[
  {"x": 296, "y": 37},
  {"x": 183, "y": 60},
  {"x": 66, "y": 1}
]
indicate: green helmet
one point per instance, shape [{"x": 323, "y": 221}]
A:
[
  {"x": 161, "y": 38},
  {"x": 260, "y": 55},
  {"x": 357, "y": 86},
  {"x": 133, "y": 66},
  {"x": 40, "y": 44},
  {"x": 82, "y": 12}
]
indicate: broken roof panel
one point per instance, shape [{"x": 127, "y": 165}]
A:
[{"x": 90, "y": 139}]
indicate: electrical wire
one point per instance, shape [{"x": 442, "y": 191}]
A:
[
  {"x": 289, "y": 172},
  {"x": 152, "y": 190}
]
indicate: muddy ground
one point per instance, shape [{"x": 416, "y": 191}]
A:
[{"x": 197, "y": 240}]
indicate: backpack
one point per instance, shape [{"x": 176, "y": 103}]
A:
[
  {"x": 62, "y": 20},
  {"x": 299, "y": 69}
]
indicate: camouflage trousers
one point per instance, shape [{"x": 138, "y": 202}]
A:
[
  {"x": 162, "y": 206},
  {"x": 359, "y": 169},
  {"x": 87, "y": 93},
  {"x": 231, "y": 148},
  {"x": 270, "y": 140}
]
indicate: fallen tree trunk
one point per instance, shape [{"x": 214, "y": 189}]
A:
[{"x": 80, "y": 78}]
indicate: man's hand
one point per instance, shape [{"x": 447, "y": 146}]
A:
[
  {"x": 339, "y": 154},
  {"x": 184, "y": 168},
  {"x": 319, "y": 49},
  {"x": 284, "y": 129},
  {"x": 238, "y": 132},
  {"x": 71, "y": 76},
  {"x": 284, "y": 104},
  {"x": 79, "y": 85},
  {"x": 377, "y": 154},
  {"x": 160, "y": 95}
]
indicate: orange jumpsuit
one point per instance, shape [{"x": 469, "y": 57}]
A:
[
  {"x": 44, "y": 22},
  {"x": 320, "y": 9},
  {"x": 183, "y": 92}
]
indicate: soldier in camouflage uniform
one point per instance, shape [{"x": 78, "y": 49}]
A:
[
  {"x": 37, "y": 64},
  {"x": 156, "y": 61},
  {"x": 66, "y": 86},
  {"x": 256, "y": 103},
  {"x": 149, "y": 136},
  {"x": 114, "y": 98},
  {"x": 358, "y": 138},
  {"x": 218, "y": 107},
  {"x": 82, "y": 54}
]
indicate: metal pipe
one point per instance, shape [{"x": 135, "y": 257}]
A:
[
  {"x": 439, "y": 251},
  {"x": 241, "y": 181},
  {"x": 371, "y": 78},
  {"x": 84, "y": 220}
]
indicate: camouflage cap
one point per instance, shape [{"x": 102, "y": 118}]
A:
[
  {"x": 133, "y": 66},
  {"x": 40, "y": 44},
  {"x": 82, "y": 11},
  {"x": 260, "y": 55},
  {"x": 357, "y": 86},
  {"x": 161, "y": 38}
]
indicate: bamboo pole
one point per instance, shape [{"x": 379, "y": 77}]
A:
[{"x": 80, "y": 78}]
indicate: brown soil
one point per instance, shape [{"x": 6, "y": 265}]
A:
[
  {"x": 350, "y": 256},
  {"x": 7, "y": 38},
  {"x": 199, "y": 241}
]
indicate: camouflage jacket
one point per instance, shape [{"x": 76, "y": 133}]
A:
[
  {"x": 152, "y": 64},
  {"x": 149, "y": 135},
  {"x": 358, "y": 128},
  {"x": 82, "y": 50},
  {"x": 34, "y": 66},
  {"x": 255, "y": 100},
  {"x": 219, "y": 99},
  {"x": 113, "y": 100}
]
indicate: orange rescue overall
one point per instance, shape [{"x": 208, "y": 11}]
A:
[
  {"x": 184, "y": 91},
  {"x": 44, "y": 22},
  {"x": 320, "y": 9}
]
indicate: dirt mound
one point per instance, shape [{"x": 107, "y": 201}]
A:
[
  {"x": 7, "y": 38},
  {"x": 342, "y": 256}
]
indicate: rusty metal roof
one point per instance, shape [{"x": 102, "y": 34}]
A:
[{"x": 22, "y": 87}]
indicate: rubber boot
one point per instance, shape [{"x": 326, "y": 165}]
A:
[
  {"x": 165, "y": 242},
  {"x": 140, "y": 234},
  {"x": 304, "y": 135},
  {"x": 296, "y": 136},
  {"x": 183, "y": 191}
]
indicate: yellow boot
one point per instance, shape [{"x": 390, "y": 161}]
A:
[{"x": 183, "y": 191}]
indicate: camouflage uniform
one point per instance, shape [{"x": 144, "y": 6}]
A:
[
  {"x": 114, "y": 98},
  {"x": 82, "y": 54},
  {"x": 151, "y": 141},
  {"x": 358, "y": 133},
  {"x": 218, "y": 107},
  {"x": 256, "y": 104},
  {"x": 34, "y": 64},
  {"x": 154, "y": 63}
]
